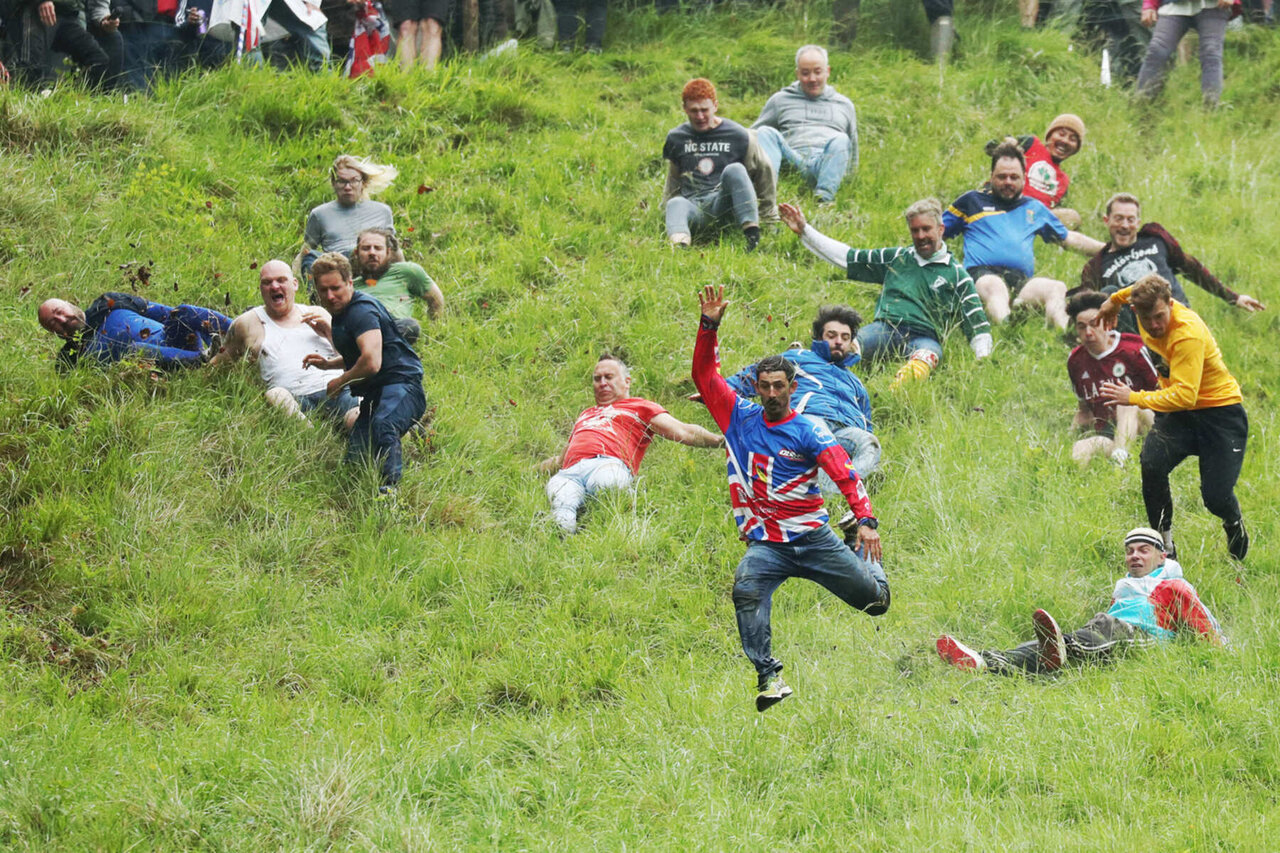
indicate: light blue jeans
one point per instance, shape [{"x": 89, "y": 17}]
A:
[
  {"x": 863, "y": 449},
  {"x": 735, "y": 194},
  {"x": 879, "y": 340},
  {"x": 818, "y": 556},
  {"x": 826, "y": 166},
  {"x": 569, "y": 489}
]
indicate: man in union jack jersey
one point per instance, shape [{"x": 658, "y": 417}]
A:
[{"x": 774, "y": 456}]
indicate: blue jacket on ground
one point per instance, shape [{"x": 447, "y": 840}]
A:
[{"x": 823, "y": 389}]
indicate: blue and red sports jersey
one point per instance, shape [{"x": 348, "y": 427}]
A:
[
  {"x": 772, "y": 467},
  {"x": 998, "y": 233}
]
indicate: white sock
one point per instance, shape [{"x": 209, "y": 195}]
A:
[{"x": 1168, "y": 538}]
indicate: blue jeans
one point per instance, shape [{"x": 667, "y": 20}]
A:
[
  {"x": 861, "y": 445},
  {"x": 331, "y": 408},
  {"x": 826, "y": 166},
  {"x": 191, "y": 327},
  {"x": 386, "y": 414},
  {"x": 880, "y": 340},
  {"x": 149, "y": 50},
  {"x": 569, "y": 489},
  {"x": 735, "y": 194},
  {"x": 818, "y": 556}
]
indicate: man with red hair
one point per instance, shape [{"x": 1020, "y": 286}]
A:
[{"x": 716, "y": 171}]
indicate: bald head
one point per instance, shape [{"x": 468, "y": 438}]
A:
[
  {"x": 278, "y": 288},
  {"x": 60, "y": 317}
]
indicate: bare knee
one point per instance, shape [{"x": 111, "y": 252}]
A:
[
  {"x": 408, "y": 29},
  {"x": 995, "y": 296}
]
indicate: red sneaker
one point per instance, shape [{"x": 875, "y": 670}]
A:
[
  {"x": 958, "y": 654},
  {"x": 1053, "y": 650}
]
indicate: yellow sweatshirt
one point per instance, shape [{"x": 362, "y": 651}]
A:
[{"x": 1198, "y": 378}]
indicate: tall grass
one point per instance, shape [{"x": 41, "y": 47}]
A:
[{"x": 214, "y": 638}]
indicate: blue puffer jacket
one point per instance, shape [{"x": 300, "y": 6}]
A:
[{"x": 823, "y": 389}]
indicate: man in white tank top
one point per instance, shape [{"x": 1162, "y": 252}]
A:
[{"x": 275, "y": 336}]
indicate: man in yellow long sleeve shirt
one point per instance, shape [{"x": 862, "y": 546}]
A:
[{"x": 1198, "y": 410}]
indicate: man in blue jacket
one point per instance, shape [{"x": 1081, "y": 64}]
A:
[
  {"x": 826, "y": 389},
  {"x": 122, "y": 324}
]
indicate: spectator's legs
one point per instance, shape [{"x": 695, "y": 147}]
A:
[
  {"x": 407, "y": 43},
  {"x": 935, "y": 9},
  {"x": 149, "y": 50},
  {"x": 1211, "y": 24},
  {"x": 1048, "y": 292},
  {"x": 112, "y": 44},
  {"x": 71, "y": 38},
  {"x": 430, "y": 41},
  {"x": 1166, "y": 34},
  {"x": 597, "y": 12},
  {"x": 1028, "y": 11},
  {"x": 828, "y": 168},
  {"x": 1127, "y": 39},
  {"x": 844, "y": 24},
  {"x": 567, "y": 23},
  {"x": 1171, "y": 440},
  {"x": 995, "y": 297},
  {"x": 470, "y": 24}
]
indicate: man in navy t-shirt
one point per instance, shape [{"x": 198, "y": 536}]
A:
[
  {"x": 378, "y": 365},
  {"x": 708, "y": 180}
]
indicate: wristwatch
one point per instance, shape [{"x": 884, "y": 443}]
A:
[{"x": 870, "y": 521}]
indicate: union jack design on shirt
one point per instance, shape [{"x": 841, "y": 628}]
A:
[{"x": 772, "y": 467}]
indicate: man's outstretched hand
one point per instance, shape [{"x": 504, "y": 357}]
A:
[
  {"x": 793, "y": 218},
  {"x": 713, "y": 302}
]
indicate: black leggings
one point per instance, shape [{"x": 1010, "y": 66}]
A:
[
  {"x": 567, "y": 19},
  {"x": 1218, "y": 436}
]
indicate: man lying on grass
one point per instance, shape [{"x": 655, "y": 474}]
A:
[
  {"x": 1152, "y": 602},
  {"x": 120, "y": 325},
  {"x": 609, "y": 440},
  {"x": 774, "y": 456}
]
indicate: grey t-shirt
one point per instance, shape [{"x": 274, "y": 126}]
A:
[{"x": 332, "y": 227}]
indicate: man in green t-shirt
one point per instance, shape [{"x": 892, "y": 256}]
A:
[{"x": 380, "y": 270}]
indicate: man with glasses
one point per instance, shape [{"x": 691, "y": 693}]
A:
[{"x": 333, "y": 226}]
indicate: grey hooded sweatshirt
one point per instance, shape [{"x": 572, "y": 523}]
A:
[{"x": 811, "y": 122}]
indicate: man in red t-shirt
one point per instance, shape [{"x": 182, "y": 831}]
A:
[
  {"x": 1105, "y": 356},
  {"x": 609, "y": 440}
]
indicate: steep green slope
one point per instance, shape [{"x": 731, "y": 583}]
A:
[{"x": 214, "y": 637}]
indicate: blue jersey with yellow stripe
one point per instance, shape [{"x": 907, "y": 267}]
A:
[{"x": 999, "y": 233}]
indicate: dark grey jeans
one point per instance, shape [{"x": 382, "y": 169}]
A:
[
  {"x": 1211, "y": 24},
  {"x": 1099, "y": 638}
]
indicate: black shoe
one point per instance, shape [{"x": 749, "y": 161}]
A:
[
  {"x": 1237, "y": 538},
  {"x": 753, "y": 237}
]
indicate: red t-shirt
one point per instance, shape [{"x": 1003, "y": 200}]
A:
[
  {"x": 1046, "y": 182},
  {"x": 619, "y": 429},
  {"x": 1126, "y": 361}
]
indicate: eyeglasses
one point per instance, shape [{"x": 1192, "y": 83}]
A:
[{"x": 347, "y": 182}]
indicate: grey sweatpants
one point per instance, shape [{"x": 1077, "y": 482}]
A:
[{"x": 735, "y": 194}]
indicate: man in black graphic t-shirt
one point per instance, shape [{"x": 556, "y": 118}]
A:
[
  {"x": 1137, "y": 250},
  {"x": 709, "y": 179}
]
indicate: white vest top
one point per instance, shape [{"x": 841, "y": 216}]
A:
[{"x": 280, "y": 360}]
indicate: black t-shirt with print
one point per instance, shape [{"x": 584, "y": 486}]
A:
[{"x": 702, "y": 157}]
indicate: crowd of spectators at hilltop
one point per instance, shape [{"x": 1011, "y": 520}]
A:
[{"x": 124, "y": 45}]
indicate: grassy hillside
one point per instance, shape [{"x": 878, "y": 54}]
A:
[{"x": 213, "y": 636}]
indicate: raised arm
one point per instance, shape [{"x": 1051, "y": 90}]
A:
[
  {"x": 689, "y": 434},
  {"x": 832, "y": 251},
  {"x": 717, "y": 396}
]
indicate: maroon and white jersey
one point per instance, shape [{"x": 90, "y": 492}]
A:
[{"x": 1125, "y": 361}]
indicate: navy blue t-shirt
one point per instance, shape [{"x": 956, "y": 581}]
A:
[
  {"x": 399, "y": 362},
  {"x": 702, "y": 157}
]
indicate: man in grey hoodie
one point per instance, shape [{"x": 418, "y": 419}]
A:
[{"x": 811, "y": 125}]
